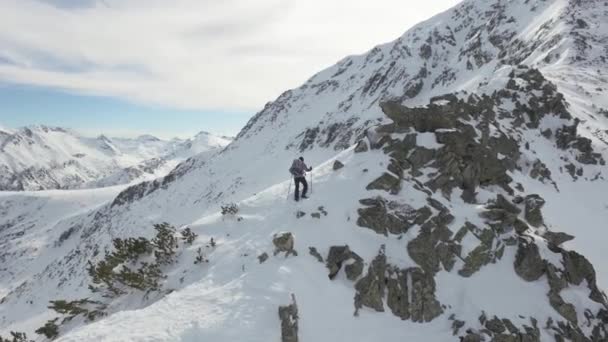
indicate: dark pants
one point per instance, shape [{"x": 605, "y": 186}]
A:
[{"x": 299, "y": 180}]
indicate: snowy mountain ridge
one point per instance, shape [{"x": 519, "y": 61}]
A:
[
  {"x": 41, "y": 157},
  {"x": 469, "y": 202}
]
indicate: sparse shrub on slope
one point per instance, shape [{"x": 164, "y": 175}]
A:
[
  {"x": 16, "y": 337},
  {"x": 50, "y": 330},
  {"x": 133, "y": 264}
]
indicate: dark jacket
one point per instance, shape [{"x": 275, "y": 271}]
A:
[{"x": 298, "y": 168}]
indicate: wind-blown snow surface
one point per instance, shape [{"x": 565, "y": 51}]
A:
[
  {"x": 469, "y": 48},
  {"x": 41, "y": 157}
]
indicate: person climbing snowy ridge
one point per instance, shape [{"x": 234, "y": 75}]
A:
[{"x": 298, "y": 171}]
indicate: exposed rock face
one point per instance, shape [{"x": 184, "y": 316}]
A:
[
  {"x": 557, "y": 238},
  {"x": 284, "y": 242},
  {"x": 384, "y": 216},
  {"x": 410, "y": 293},
  {"x": 372, "y": 287},
  {"x": 289, "y": 321},
  {"x": 528, "y": 263},
  {"x": 533, "y": 214},
  {"x": 338, "y": 255}
]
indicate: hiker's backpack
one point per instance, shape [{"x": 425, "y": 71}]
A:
[{"x": 293, "y": 169}]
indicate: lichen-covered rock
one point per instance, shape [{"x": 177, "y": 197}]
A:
[
  {"x": 284, "y": 242},
  {"x": 533, "y": 206},
  {"x": 337, "y": 165},
  {"x": 338, "y": 255},
  {"x": 289, "y": 321},
  {"x": 528, "y": 263}
]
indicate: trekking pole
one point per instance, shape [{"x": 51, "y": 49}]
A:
[{"x": 289, "y": 189}]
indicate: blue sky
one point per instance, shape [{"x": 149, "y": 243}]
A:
[
  {"x": 174, "y": 67},
  {"x": 93, "y": 115}
]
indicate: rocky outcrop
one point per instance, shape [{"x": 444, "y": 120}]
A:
[
  {"x": 384, "y": 216},
  {"x": 533, "y": 214},
  {"x": 289, "y": 321},
  {"x": 410, "y": 293},
  {"x": 528, "y": 263},
  {"x": 339, "y": 255}
]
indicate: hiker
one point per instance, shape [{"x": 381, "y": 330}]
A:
[{"x": 298, "y": 171}]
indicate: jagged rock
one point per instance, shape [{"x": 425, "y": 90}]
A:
[
  {"x": 456, "y": 326},
  {"x": 398, "y": 295},
  {"x": 528, "y": 263},
  {"x": 337, "y": 165},
  {"x": 361, "y": 147},
  {"x": 432, "y": 246},
  {"x": 384, "y": 216},
  {"x": 337, "y": 256},
  {"x": 316, "y": 215},
  {"x": 502, "y": 203},
  {"x": 505, "y": 338},
  {"x": 540, "y": 171},
  {"x": 300, "y": 214},
  {"x": 421, "y": 119},
  {"x": 557, "y": 238},
  {"x": 576, "y": 269},
  {"x": 495, "y": 325},
  {"x": 533, "y": 206},
  {"x": 371, "y": 288},
  {"x": 386, "y": 182},
  {"x": 567, "y": 310},
  {"x": 479, "y": 257},
  {"x": 289, "y": 321},
  {"x": 284, "y": 243},
  {"x": 263, "y": 257},
  {"x": 355, "y": 269},
  {"x": 313, "y": 251},
  {"x": 424, "y": 306},
  {"x": 472, "y": 337},
  {"x": 520, "y": 226},
  {"x": 510, "y": 326}
]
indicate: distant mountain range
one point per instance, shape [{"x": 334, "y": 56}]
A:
[{"x": 41, "y": 157}]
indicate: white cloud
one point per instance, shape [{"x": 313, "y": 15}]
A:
[{"x": 196, "y": 54}]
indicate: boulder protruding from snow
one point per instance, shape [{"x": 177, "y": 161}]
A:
[
  {"x": 289, "y": 321},
  {"x": 337, "y": 165},
  {"x": 284, "y": 242}
]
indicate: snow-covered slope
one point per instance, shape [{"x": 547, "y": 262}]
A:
[
  {"x": 480, "y": 137},
  {"x": 40, "y": 157}
]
